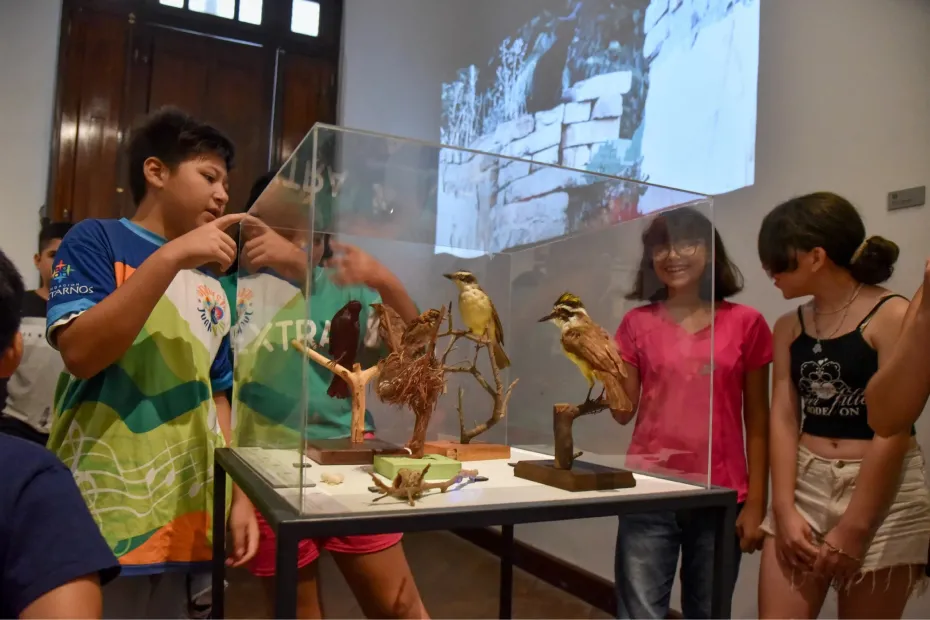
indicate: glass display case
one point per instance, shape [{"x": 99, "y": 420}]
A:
[{"x": 547, "y": 288}]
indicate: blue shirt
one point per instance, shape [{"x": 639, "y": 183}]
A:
[{"x": 47, "y": 536}]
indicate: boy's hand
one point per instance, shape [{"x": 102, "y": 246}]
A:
[
  {"x": 352, "y": 265},
  {"x": 267, "y": 248},
  {"x": 243, "y": 528},
  {"x": 205, "y": 244}
]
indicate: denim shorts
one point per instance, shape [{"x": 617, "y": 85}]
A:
[{"x": 822, "y": 492}]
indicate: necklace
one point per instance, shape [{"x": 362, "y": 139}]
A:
[{"x": 818, "y": 346}]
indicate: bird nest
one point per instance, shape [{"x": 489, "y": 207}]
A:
[{"x": 410, "y": 381}]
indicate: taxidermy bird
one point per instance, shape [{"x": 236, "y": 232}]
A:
[
  {"x": 390, "y": 326},
  {"x": 478, "y": 313},
  {"x": 591, "y": 349},
  {"x": 420, "y": 332},
  {"x": 343, "y": 345}
]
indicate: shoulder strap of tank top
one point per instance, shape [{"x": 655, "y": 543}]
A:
[
  {"x": 864, "y": 323},
  {"x": 801, "y": 318}
]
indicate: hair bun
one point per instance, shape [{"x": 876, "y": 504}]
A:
[{"x": 873, "y": 262}]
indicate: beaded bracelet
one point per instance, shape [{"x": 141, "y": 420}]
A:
[{"x": 839, "y": 551}]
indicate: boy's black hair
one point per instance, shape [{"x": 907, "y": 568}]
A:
[
  {"x": 51, "y": 231},
  {"x": 11, "y": 300},
  {"x": 685, "y": 224},
  {"x": 824, "y": 220},
  {"x": 173, "y": 137}
]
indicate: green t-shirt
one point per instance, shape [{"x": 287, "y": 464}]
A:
[{"x": 274, "y": 384}]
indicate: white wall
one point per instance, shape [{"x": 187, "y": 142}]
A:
[
  {"x": 28, "y": 65},
  {"x": 844, "y": 105}
]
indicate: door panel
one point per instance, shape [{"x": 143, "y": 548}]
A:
[
  {"x": 308, "y": 96},
  {"x": 89, "y": 134},
  {"x": 220, "y": 82}
]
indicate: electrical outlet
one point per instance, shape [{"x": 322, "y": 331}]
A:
[{"x": 907, "y": 198}]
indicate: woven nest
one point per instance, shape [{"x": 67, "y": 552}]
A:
[{"x": 415, "y": 383}]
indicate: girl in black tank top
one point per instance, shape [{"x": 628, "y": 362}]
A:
[
  {"x": 830, "y": 377},
  {"x": 849, "y": 509}
]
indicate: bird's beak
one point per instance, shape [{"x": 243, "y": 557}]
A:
[
  {"x": 448, "y": 276},
  {"x": 548, "y": 317}
]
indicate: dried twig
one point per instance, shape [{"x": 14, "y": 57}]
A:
[
  {"x": 356, "y": 378},
  {"x": 499, "y": 395},
  {"x": 411, "y": 484},
  {"x": 563, "y": 417}
]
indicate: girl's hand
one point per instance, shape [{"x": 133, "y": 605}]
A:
[
  {"x": 243, "y": 529},
  {"x": 794, "y": 541},
  {"x": 352, "y": 265},
  {"x": 749, "y": 527},
  {"x": 841, "y": 553}
]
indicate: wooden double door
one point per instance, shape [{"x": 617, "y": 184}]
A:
[{"x": 113, "y": 72}]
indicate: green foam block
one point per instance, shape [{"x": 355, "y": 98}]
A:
[{"x": 441, "y": 467}]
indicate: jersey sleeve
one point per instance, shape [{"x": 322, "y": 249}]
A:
[
  {"x": 84, "y": 274},
  {"x": 53, "y": 540},
  {"x": 757, "y": 346},
  {"x": 626, "y": 340},
  {"x": 221, "y": 371}
]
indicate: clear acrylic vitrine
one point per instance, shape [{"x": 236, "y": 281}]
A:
[{"x": 403, "y": 213}]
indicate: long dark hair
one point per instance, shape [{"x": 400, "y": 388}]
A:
[
  {"x": 685, "y": 224},
  {"x": 828, "y": 221}
]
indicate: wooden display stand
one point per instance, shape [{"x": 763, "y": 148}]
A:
[
  {"x": 564, "y": 472},
  {"x": 581, "y": 477},
  {"x": 468, "y": 451},
  {"x": 354, "y": 450}
]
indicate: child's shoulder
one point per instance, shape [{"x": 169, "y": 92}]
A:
[{"x": 747, "y": 315}]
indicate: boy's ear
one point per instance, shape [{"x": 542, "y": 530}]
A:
[
  {"x": 36, "y": 258},
  {"x": 155, "y": 172},
  {"x": 11, "y": 357}
]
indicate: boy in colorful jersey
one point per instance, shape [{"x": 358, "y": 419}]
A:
[
  {"x": 143, "y": 332},
  {"x": 269, "y": 393}
]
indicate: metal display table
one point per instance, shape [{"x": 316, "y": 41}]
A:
[{"x": 504, "y": 500}]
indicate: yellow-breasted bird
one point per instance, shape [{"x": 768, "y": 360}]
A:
[
  {"x": 591, "y": 349},
  {"x": 478, "y": 313}
]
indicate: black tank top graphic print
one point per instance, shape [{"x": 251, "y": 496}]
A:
[{"x": 831, "y": 381}]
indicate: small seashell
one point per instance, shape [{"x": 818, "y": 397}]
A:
[{"x": 330, "y": 478}]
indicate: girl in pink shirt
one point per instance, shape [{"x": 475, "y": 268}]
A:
[{"x": 671, "y": 354}]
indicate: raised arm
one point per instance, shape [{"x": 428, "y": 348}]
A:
[
  {"x": 897, "y": 394},
  {"x": 95, "y": 315},
  {"x": 876, "y": 485}
]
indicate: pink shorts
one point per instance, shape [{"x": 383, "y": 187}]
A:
[{"x": 263, "y": 565}]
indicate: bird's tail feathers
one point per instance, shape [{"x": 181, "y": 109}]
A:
[
  {"x": 338, "y": 388},
  {"x": 617, "y": 398},
  {"x": 500, "y": 356}
]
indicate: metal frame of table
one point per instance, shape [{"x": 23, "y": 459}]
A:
[{"x": 291, "y": 527}]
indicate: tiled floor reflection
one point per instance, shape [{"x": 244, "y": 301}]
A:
[{"x": 462, "y": 584}]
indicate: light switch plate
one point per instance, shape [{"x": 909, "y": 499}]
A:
[{"x": 907, "y": 198}]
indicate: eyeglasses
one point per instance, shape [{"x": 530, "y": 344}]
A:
[{"x": 684, "y": 249}]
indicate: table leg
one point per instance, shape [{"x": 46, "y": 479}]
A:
[
  {"x": 506, "y": 587},
  {"x": 724, "y": 539},
  {"x": 286, "y": 573},
  {"x": 219, "y": 541}
]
